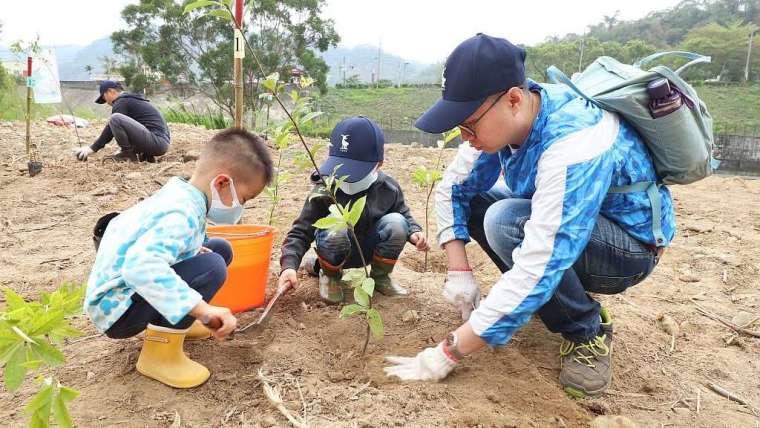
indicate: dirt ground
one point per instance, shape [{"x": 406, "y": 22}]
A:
[{"x": 312, "y": 356}]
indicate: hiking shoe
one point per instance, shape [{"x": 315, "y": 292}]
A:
[
  {"x": 122, "y": 156},
  {"x": 586, "y": 368},
  {"x": 143, "y": 157},
  {"x": 330, "y": 288},
  {"x": 381, "y": 273}
]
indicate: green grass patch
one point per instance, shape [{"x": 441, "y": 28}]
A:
[
  {"x": 208, "y": 119},
  {"x": 732, "y": 107}
]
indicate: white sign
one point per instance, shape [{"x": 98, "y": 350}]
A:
[
  {"x": 45, "y": 81},
  {"x": 239, "y": 44}
]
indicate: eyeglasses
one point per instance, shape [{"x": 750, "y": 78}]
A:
[{"x": 469, "y": 129}]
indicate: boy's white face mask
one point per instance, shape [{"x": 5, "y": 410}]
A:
[
  {"x": 223, "y": 214},
  {"x": 361, "y": 185}
]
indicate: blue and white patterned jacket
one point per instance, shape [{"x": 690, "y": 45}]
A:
[
  {"x": 137, "y": 251},
  {"x": 574, "y": 153}
]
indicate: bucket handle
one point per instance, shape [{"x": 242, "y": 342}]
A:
[{"x": 246, "y": 235}]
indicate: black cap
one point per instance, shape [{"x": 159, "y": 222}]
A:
[
  {"x": 478, "y": 68},
  {"x": 357, "y": 145},
  {"x": 106, "y": 85}
]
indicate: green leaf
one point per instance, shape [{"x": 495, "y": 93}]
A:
[
  {"x": 326, "y": 223},
  {"x": 32, "y": 364},
  {"x": 14, "y": 368},
  {"x": 46, "y": 323},
  {"x": 361, "y": 297},
  {"x": 13, "y": 300},
  {"x": 311, "y": 116},
  {"x": 40, "y": 405},
  {"x": 449, "y": 136},
  {"x": 375, "y": 323},
  {"x": 68, "y": 394},
  {"x": 356, "y": 211},
  {"x": 60, "y": 411},
  {"x": 351, "y": 309},
  {"x": 198, "y": 4},
  {"x": 368, "y": 285},
  {"x": 50, "y": 355},
  {"x": 220, "y": 13}
]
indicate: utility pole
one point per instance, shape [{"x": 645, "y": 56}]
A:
[
  {"x": 403, "y": 73},
  {"x": 239, "y": 54},
  {"x": 580, "y": 60},
  {"x": 379, "y": 60},
  {"x": 749, "y": 53},
  {"x": 344, "y": 71}
]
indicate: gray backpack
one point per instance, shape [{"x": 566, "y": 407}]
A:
[{"x": 680, "y": 143}]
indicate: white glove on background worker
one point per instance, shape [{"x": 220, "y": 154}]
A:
[
  {"x": 84, "y": 152},
  {"x": 430, "y": 364},
  {"x": 462, "y": 291}
]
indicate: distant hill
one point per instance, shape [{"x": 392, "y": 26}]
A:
[
  {"x": 72, "y": 59},
  {"x": 361, "y": 60}
]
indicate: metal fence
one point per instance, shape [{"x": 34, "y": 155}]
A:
[{"x": 738, "y": 149}]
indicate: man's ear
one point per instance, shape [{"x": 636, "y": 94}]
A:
[{"x": 515, "y": 96}]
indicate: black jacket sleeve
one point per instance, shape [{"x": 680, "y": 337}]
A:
[
  {"x": 401, "y": 208},
  {"x": 106, "y": 136},
  {"x": 301, "y": 234}
]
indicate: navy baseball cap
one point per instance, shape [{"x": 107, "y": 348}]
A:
[
  {"x": 356, "y": 144},
  {"x": 478, "y": 68},
  {"x": 106, "y": 85}
]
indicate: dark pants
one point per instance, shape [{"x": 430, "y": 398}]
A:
[
  {"x": 611, "y": 262},
  {"x": 386, "y": 239},
  {"x": 132, "y": 135},
  {"x": 204, "y": 273}
]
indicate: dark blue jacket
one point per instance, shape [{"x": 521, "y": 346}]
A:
[{"x": 139, "y": 109}]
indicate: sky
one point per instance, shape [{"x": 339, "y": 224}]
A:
[{"x": 419, "y": 30}]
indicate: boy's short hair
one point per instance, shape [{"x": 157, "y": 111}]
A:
[{"x": 241, "y": 152}]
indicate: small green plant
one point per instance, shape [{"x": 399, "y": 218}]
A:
[
  {"x": 340, "y": 216},
  {"x": 29, "y": 333},
  {"x": 427, "y": 178},
  {"x": 302, "y": 113}
]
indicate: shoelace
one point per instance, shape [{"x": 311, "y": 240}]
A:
[{"x": 586, "y": 353}]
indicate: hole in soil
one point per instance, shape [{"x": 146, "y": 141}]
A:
[{"x": 416, "y": 261}]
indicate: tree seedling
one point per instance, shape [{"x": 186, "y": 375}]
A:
[
  {"x": 29, "y": 333},
  {"x": 427, "y": 179}
]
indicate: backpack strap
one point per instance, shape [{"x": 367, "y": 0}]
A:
[
  {"x": 557, "y": 76},
  {"x": 683, "y": 54},
  {"x": 653, "y": 192}
]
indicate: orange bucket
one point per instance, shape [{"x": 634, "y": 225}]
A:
[{"x": 248, "y": 273}]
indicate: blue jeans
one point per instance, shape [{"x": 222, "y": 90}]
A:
[
  {"x": 386, "y": 239},
  {"x": 204, "y": 273},
  {"x": 611, "y": 262}
]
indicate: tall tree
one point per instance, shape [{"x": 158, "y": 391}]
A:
[
  {"x": 196, "y": 49},
  {"x": 727, "y": 45}
]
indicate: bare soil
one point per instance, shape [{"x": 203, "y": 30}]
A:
[{"x": 312, "y": 356}]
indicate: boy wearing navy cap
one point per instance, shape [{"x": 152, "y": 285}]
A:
[{"x": 384, "y": 227}]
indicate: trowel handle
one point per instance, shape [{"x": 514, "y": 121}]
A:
[{"x": 214, "y": 323}]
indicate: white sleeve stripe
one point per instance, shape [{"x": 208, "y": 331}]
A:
[
  {"x": 530, "y": 259},
  {"x": 583, "y": 145},
  {"x": 456, "y": 173},
  {"x": 547, "y": 205}
]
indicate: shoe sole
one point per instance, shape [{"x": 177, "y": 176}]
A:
[
  {"x": 168, "y": 383},
  {"x": 580, "y": 394}
]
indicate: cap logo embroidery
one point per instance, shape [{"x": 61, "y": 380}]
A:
[
  {"x": 344, "y": 142},
  {"x": 443, "y": 79}
]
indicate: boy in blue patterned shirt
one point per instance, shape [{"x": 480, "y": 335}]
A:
[{"x": 155, "y": 269}]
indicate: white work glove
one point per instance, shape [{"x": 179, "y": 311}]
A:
[
  {"x": 430, "y": 364},
  {"x": 462, "y": 291},
  {"x": 84, "y": 152}
]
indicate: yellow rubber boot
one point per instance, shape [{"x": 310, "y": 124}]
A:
[
  {"x": 163, "y": 359},
  {"x": 198, "y": 331}
]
